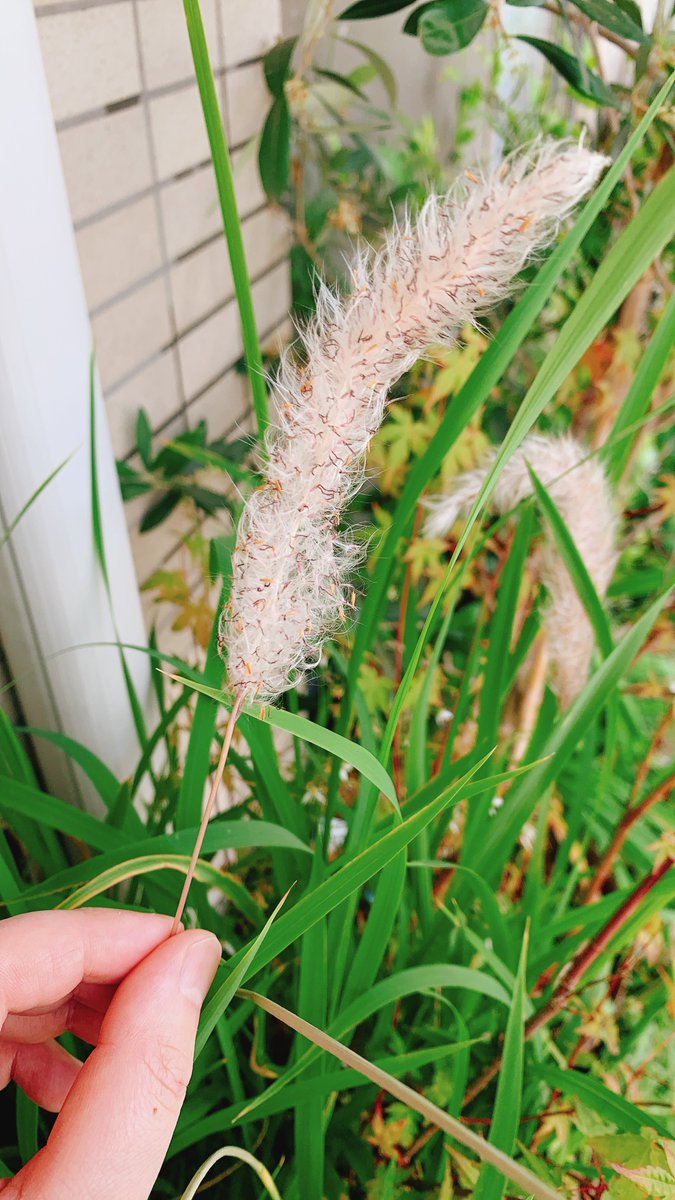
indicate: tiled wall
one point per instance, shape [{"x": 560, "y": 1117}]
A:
[{"x": 145, "y": 209}]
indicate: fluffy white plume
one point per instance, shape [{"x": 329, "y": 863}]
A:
[
  {"x": 581, "y": 493},
  {"x": 291, "y": 565}
]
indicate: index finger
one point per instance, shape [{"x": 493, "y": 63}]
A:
[{"x": 45, "y": 955}]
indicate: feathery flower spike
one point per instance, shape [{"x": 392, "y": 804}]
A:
[
  {"x": 291, "y": 565},
  {"x": 580, "y": 490},
  {"x": 290, "y": 570}
]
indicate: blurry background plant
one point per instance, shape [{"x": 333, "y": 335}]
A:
[{"x": 416, "y": 957}]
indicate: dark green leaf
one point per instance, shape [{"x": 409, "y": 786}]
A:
[
  {"x": 131, "y": 483},
  {"x": 612, "y": 17},
  {"x": 144, "y": 438},
  {"x": 446, "y": 26},
  {"x": 274, "y": 155},
  {"x": 584, "y": 81},
  {"x": 160, "y": 510},
  {"x": 363, "y": 10},
  {"x": 277, "y": 66}
]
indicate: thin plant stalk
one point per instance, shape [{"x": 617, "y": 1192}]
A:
[
  {"x": 222, "y": 167},
  {"x": 521, "y": 1176},
  {"x": 215, "y": 784}
]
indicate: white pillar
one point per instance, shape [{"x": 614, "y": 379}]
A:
[{"x": 52, "y": 596}]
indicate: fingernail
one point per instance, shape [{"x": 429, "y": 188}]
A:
[{"x": 200, "y": 962}]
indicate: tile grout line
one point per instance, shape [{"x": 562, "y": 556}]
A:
[
  {"x": 159, "y": 216},
  {"x": 131, "y": 374}
]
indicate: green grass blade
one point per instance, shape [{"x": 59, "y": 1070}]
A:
[
  {"x": 636, "y": 403},
  {"x": 198, "y": 758},
  {"x": 415, "y": 980},
  {"x": 309, "y": 731},
  {"x": 26, "y": 1126},
  {"x": 316, "y": 904},
  {"x": 31, "y": 500},
  {"x": 222, "y": 167},
  {"x": 508, "y": 1101},
  {"x": 576, "y": 566},
  {"x": 640, "y": 243},
  {"x": 599, "y": 1098},
  {"x": 100, "y": 775},
  {"x": 502, "y": 832},
  {"x": 476, "y": 391},
  {"x": 219, "y": 1002},
  {"x": 518, "y": 1174},
  {"x": 133, "y": 868},
  {"x": 635, "y": 250},
  {"x": 221, "y": 835}
]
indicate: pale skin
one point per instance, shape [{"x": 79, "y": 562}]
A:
[{"x": 118, "y": 981}]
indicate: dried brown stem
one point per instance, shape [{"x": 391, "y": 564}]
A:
[
  {"x": 628, "y": 820},
  {"x": 218, "y": 775},
  {"x": 572, "y": 976},
  {"x": 627, "y": 47}
]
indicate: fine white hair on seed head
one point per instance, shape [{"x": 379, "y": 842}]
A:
[
  {"x": 291, "y": 565},
  {"x": 579, "y": 488}
]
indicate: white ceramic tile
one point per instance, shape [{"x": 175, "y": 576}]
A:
[
  {"x": 203, "y": 280},
  {"x": 271, "y": 299},
  {"x": 105, "y": 160},
  {"x": 178, "y": 131},
  {"x": 164, "y": 40},
  {"x": 266, "y": 239},
  {"x": 190, "y": 205},
  {"x": 131, "y": 331},
  {"x": 90, "y": 57},
  {"x": 118, "y": 250},
  {"x": 249, "y": 30},
  {"x": 248, "y": 102},
  {"x": 190, "y": 211},
  {"x": 155, "y": 389},
  {"x": 200, "y": 282},
  {"x": 222, "y": 405},
  {"x": 247, "y": 185},
  {"x": 207, "y": 350}
]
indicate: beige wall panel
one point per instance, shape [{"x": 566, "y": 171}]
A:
[
  {"x": 131, "y": 331},
  {"x": 105, "y": 160},
  {"x": 178, "y": 131},
  {"x": 118, "y": 250},
  {"x": 222, "y": 405},
  {"x": 203, "y": 280},
  {"x": 155, "y": 389},
  {"x": 247, "y": 102},
  {"x": 249, "y": 30},
  {"x": 90, "y": 57},
  {"x": 207, "y": 350},
  {"x": 165, "y": 44},
  {"x": 200, "y": 282},
  {"x": 190, "y": 211}
]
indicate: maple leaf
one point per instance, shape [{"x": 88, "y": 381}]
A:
[
  {"x": 425, "y": 558},
  {"x": 377, "y": 689},
  {"x": 171, "y": 586}
]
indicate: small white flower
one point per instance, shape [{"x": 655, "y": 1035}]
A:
[
  {"x": 337, "y": 835},
  {"x": 496, "y": 804},
  {"x": 444, "y": 717},
  {"x": 345, "y": 773},
  {"x": 528, "y": 835}
]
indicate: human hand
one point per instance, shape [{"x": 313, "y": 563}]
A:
[{"x": 116, "y": 980}]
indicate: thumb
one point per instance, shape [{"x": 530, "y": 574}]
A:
[{"x": 113, "y": 1132}]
